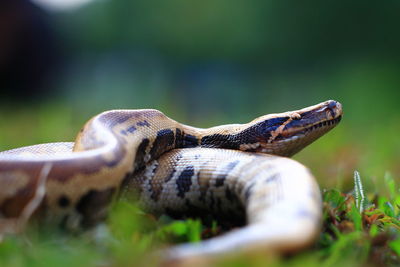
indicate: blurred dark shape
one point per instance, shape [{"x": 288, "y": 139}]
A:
[{"x": 28, "y": 53}]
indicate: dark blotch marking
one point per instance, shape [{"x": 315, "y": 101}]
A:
[
  {"x": 222, "y": 141},
  {"x": 163, "y": 142},
  {"x": 143, "y": 123},
  {"x": 93, "y": 206},
  {"x": 220, "y": 180},
  {"x": 63, "y": 201},
  {"x": 13, "y": 206},
  {"x": 190, "y": 141},
  {"x": 178, "y": 157},
  {"x": 114, "y": 120},
  {"x": 274, "y": 123},
  {"x": 123, "y": 132},
  {"x": 234, "y": 200},
  {"x": 155, "y": 188},
  {"x": 178, "y": 138},
  {"x": 140, "y": 153},
  {"x": 259, "y": 132},
  {"x": 131, "y": 129},
  {"x": 183, "y": 140},
  {"x": 226, "y": 170},
  {"x": 229, "y": 195},
  {"x": 184, "y": 180}
]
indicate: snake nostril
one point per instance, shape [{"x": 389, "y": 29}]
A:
[{"x": 332, "y": 108}]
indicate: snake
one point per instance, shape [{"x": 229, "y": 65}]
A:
[{"x": 237, "y": 171}]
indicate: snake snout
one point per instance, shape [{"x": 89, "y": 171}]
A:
[{"x": 334, "y": 108}]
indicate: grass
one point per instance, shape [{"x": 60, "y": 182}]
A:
[{"x": 361, "y": 224}]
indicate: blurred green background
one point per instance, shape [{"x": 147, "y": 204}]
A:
[{"x": 206, "y": 63}]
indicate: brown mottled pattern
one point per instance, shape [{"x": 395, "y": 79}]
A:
[
  {"x": 278, "y": 196},
  {"x": 16, "y": 191}
]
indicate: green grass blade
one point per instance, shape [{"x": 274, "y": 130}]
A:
[{"x": 358, "y": 192}]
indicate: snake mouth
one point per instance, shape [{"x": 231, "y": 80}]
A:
[
  {"x": 327, "y": 123},
  {"x": 322, "y": 126}
]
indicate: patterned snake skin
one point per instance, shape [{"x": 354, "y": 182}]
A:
[{"x": 229, "y": 171}]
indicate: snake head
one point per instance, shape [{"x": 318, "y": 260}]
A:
[{"x": 287, "y": 133}]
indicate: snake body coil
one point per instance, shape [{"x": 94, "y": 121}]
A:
[{"x": 229, "y": 171}]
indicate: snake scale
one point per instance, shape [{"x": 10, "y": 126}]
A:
[{"x": 230, "y": 171}]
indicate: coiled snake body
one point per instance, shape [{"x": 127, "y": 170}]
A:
[{"x": 229, "y": 171}]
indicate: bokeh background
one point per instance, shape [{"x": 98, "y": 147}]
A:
[{"x": 206, "y": 63}]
